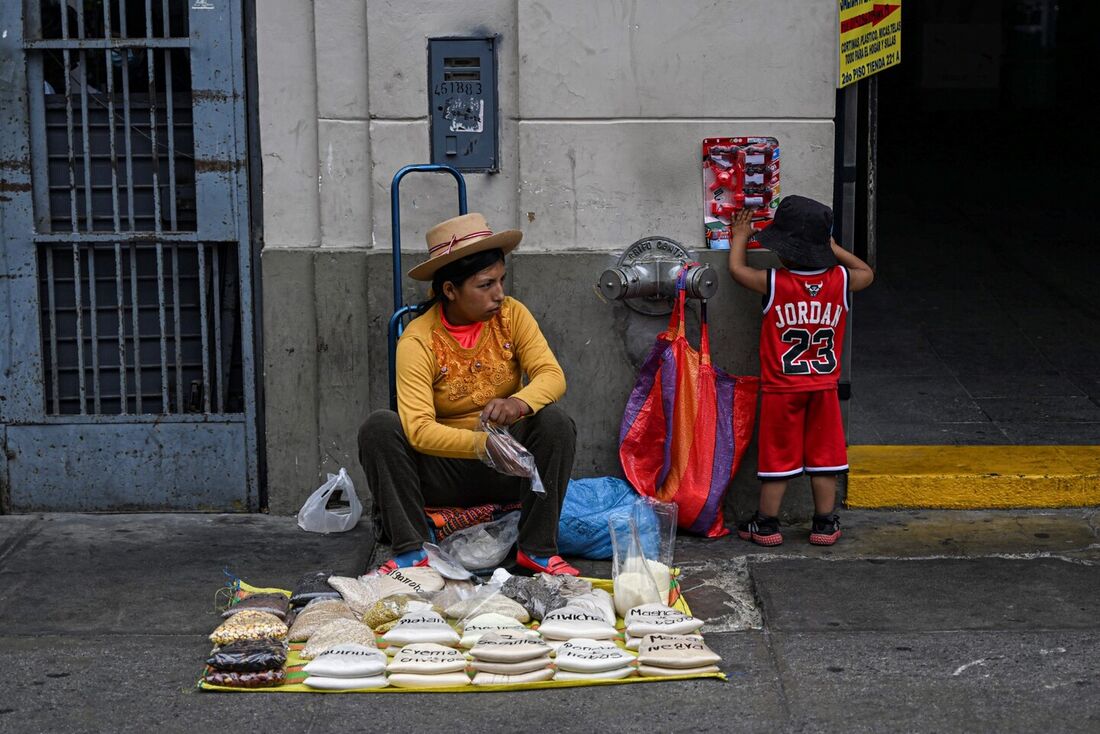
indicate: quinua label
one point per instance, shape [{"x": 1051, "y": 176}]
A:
[
  {"x": 350, "y": 650},
  {"x": 348, "y": 661}
]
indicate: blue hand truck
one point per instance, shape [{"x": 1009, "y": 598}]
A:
[{"x": 400, "y": 309}]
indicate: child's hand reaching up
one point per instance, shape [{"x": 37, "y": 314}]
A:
[
  {"x": 740, "y": 231},
  {"x": 741, "y": 224}
]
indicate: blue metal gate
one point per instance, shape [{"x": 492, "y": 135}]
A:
[{"x": 127, "y": 377}]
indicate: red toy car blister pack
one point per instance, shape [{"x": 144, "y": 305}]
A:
[{"x": 738, "y": 173}]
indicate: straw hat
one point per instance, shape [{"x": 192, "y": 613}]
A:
[{"x": 461, "y": 236}]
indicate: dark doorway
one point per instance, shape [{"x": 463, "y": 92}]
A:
[{"x": 983, "y": 326}]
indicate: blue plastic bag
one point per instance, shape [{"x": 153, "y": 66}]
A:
[{"x": 582, "y": 529}]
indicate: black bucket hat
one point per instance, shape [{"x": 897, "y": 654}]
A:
[{"x": 800, "y": 233}]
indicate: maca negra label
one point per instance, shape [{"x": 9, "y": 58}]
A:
[{"x": 698, "y": 646}]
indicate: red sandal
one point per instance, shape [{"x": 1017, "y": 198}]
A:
[{"x": 555, "y": 565}]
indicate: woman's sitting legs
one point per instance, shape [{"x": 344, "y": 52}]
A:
[{"x": 404, "y": 481}]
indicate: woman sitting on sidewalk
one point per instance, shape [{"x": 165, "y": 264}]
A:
[{"x": 462, "y": 360}]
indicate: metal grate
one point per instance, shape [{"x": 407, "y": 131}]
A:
[
  {"x": 137, "y": 316},
  {"x": 180, "y": 300},
  {"x": 116, "y": 107},
  {"x": 121, "y": 161}
]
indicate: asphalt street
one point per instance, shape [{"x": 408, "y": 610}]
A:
[{"x": 915, "y": 621}]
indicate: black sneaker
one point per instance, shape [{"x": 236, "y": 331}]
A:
[
  {"x": 825, "y": 530},
  {"x": 761, "y": 529}
]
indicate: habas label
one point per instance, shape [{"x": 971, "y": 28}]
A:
[{"x": 870, "y": 38}]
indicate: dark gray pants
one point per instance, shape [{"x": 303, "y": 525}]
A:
[{"x": 404, "y": 481}]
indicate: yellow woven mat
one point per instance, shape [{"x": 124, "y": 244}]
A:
[{"x": 295, "y": 675}]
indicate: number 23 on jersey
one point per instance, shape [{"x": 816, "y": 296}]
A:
[
  {"x": 809, "y": 353},
  {"x": 805, "y": 313}
]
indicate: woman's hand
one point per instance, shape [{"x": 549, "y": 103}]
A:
[{"x": 504, "y": 411}]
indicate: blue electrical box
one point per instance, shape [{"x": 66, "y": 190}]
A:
[{"x": 462, "y": 99}]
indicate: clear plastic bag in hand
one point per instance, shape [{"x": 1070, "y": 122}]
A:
[{"x": 508, "y": 456}]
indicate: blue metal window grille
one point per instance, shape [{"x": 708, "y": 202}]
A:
[{"x": 137, "y": 315}]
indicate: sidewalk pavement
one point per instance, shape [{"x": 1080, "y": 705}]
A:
[{"x": 915, "y": 621}]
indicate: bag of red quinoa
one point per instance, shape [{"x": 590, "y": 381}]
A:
[{"x": 255, "y": 679}]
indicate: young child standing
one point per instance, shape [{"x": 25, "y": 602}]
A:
[{"x": 805, "y": 313}]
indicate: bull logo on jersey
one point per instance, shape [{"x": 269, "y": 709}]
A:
[{"x": 814, "y": 288}]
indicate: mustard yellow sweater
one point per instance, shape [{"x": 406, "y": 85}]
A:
[{"x": 442, "y": 388}]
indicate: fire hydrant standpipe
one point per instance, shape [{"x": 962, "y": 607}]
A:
[{"x": 645, "y": 276}]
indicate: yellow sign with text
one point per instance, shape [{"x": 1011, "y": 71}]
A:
[{"x": 870, "y": 38}]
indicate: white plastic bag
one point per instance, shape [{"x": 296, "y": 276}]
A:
[
  {"x": 316, "y": 517},
  {"x": 483, "y": 546}
]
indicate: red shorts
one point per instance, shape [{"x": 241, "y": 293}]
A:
[{"x": 801, "y": 432}]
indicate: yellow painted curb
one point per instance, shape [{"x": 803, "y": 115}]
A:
[{"x": 973, "y": 477}]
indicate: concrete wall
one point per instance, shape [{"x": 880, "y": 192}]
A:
[{"x": 603, "y": 105}]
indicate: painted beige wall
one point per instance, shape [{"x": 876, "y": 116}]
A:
[{"x": 604, "y": 105}]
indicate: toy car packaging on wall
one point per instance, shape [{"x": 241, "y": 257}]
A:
[{"x": 738, "y": 173}]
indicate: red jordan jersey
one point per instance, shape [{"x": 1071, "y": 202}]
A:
[{"x": 805, "y": 312}]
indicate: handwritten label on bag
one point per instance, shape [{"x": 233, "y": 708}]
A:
[
  {"x": 570, "y": 622},
  {"x": 427, "y": 658},
  {"x": 421, "y": 627},
  {"x": 352, "y": 661},
  {"x": 588, "y": 656},
  {"x": 675, "y": 651},
  {"x": 411, "y": 581},
  {"x": 658, "y": 618},
  {"x": 497, "y": 647}
]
